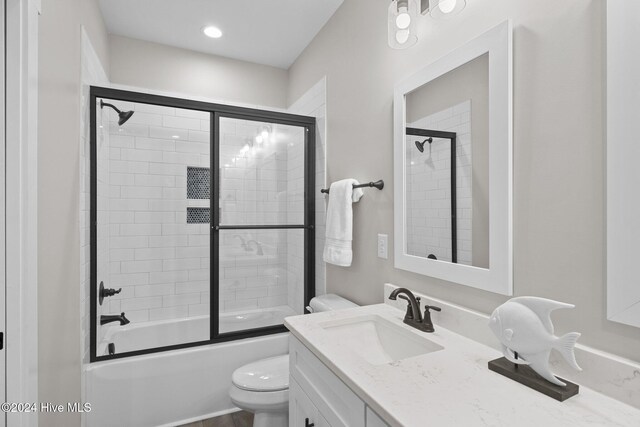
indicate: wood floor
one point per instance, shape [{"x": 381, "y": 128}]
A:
[{"x": 236, "y": 419}]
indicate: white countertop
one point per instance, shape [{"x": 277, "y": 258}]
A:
[{"x": 450, "y": 387}]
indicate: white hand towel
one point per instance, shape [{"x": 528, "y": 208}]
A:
[{"x": 337, "y": 247}]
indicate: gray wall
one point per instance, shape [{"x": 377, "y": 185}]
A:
[
  {"x": 96, "y": 30},
  {"x": 164, "y": 68},
  {"x": 59, "y": 346},
  {"x": 469, "y": 81},
  {"x": 558, "y": 149}
]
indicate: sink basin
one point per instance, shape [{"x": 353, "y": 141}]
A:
[{"x": 377, "y": 340}]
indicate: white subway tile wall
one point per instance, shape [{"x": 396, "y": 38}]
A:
[
  {"x": 157, "y": 258},
  {"x": 255, "y": 269},
  {"x": 429, "y": 187}
]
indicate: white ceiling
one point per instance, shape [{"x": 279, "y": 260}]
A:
[{"x": 271, "y": 32}]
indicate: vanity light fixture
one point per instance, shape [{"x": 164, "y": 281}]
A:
[
  {"x": 401, "y": 23},
  {"x": 402, "y": 18},
  {"x": 213, "y": 32}
]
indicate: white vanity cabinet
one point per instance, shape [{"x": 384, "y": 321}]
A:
[{"x": 318, "y": 398}]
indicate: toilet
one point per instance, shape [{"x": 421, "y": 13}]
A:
[{"x": 262, "y": 387}]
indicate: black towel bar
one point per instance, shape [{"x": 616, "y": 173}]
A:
[{"x": 378, "y": 184}]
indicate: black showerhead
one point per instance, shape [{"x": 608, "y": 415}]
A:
[
  {"x": 123, "y": 116},
  {"x": 420, "y": 145}
]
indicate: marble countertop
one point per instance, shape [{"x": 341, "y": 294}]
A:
[{"x": 450, "y": 387}]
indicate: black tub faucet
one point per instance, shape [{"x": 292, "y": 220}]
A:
[
  {"x": 413, "y": 317},
  {"x": 104, "y": 319}
]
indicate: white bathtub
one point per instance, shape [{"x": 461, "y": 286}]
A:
[
  {"x": 173, "y": 387},
  {"x": 137, "y": 336}
]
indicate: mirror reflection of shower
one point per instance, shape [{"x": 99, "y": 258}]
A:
[
  {"x": 123, "y": 116},
  {"x": 420, "y": 146}
]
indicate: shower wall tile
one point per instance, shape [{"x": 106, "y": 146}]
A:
[
  {"x": 161, "y": 261},
  {"x": 148, "y": 212}
]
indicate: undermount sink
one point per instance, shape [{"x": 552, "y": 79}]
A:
[{"x": 377, "y": 340}]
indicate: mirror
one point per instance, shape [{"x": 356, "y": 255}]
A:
[
  {"x": 623, "y": 176},
  {"x": 452, "y": 162},
  {"x": 447, "y": 166}
]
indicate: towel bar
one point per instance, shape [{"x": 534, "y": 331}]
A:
[{"x": 378, "y": 184}]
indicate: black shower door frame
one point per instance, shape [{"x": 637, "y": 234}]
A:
[
  {"x": 452, "y": 137},
  {"x": 216, "y": 112}
]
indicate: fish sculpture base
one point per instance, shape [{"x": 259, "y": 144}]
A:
[{"x": 528, "y": 377}]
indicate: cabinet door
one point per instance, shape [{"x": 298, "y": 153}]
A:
[{"x": 302, "y": 412}]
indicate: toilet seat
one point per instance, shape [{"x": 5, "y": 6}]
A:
[{"x": 267, "y": 375}]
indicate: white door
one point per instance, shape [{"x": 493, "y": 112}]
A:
[{"x": 3, "y": 363}]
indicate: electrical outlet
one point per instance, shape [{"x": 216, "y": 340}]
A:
[{"x": 383, "y": 246}]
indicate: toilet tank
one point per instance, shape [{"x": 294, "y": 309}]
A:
[{"x": 329, "y": 302}]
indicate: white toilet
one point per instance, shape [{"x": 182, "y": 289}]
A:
[{"x": 262, "y": 387}]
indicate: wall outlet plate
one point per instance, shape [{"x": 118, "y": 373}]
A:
[{"x": 383, "y": 246}]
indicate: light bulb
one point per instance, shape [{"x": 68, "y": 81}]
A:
[
  {"x": 447, "y": 6},
  {"x": 403, "y": 20},
  {"x": 402, "y": 36},
  {"x": 259, "y": 139},
  {"x": 213, "y": 32},
  {"x": 265, "y": 135}
]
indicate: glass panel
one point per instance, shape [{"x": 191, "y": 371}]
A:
[
  {"x": 261, "y": 277},
  {"x": 153, "y": 232},
  {"x": 262, "y": 173}
]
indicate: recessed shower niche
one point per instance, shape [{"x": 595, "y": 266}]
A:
[{"x": 202, "y": 214}]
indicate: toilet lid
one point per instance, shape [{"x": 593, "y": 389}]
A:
[{"x": 270, "y": 374}]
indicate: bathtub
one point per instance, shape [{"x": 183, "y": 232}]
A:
[
  {"x": 179, "y": 386},
  {"x": 193, "y": 329}
]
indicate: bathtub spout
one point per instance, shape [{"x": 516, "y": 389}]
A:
[{"x": 104, "y": 319}]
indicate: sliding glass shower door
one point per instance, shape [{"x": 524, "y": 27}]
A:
[
  {"x": 201, "y": 222},
  {"x": 261, "y": 221}
]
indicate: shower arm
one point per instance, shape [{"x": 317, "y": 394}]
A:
[{"x": 103, "y": 104}]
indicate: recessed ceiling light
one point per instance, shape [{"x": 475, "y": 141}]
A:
[{"x": 213, "y": 32}]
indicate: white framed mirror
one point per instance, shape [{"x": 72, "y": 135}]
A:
[
  {"x": 453, "y": 166},
  {"x": 623, "y": 175}
]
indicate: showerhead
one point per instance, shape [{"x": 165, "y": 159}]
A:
[
  {"x": 420, "y": 145},
  {"x": 123, "y": 116}
]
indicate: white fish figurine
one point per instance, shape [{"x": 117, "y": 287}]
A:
[{"x": 523, "y": 325}]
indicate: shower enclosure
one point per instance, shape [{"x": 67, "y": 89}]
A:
[
  {"x": 201, "y": 222},
  {"x": 431, "y": 191}
]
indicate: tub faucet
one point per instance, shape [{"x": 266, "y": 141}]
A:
[
  {"x": 104, "y": 319},
  {"x": 259, "y": 250},
  {"x": 413, "y": 317}
]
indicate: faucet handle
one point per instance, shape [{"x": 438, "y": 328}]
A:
[
  {"x": 431, "y": 307},
  {"x": 409, "y": 314}
]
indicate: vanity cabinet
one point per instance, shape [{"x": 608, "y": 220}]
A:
[{"x": 318, "y": 397}]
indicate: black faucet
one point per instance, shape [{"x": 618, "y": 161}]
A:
[
  {"x": 413, "y": 317},
  {"x": 104, "y": 319}
]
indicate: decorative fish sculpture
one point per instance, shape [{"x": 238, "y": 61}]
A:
[{"x": 523, "y": 325}]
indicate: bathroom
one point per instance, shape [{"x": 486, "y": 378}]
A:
[{"x": 298, "y": 213}]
